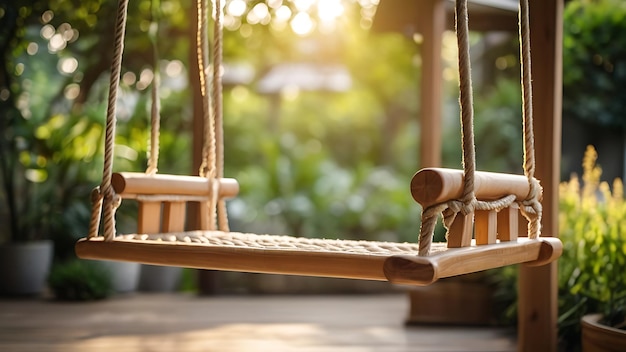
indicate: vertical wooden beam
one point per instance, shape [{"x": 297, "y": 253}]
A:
[
  {"x": 538, "y": 285},
  {"x": 431, "y": 19}
]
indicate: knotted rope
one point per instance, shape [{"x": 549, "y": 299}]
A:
[
  {"x": 104, "y": 198},
  {"x": 467, "y": 204}
]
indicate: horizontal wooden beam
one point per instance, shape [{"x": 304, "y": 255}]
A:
[
  {"x": 159, "y": 184},
  {"x": 435, "y": 185}
]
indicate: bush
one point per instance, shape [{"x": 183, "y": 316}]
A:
[
  {"x": 80, "y": 280},
  {"x": 592, "y": 225},
  {"x": 595, "y": 61},
  {"x": 593, "y": 230}
]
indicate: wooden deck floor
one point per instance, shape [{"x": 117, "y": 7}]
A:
[{"x": 178, "y": 322}]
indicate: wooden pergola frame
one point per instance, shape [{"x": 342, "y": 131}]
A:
[{"x": 537, "y": 305}]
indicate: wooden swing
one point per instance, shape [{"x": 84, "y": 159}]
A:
[{"x": 475, "y": 204}]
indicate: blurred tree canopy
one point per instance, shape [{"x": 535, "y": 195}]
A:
[
  {"x": 309, "y": 162},
  {"x": 594, "y": 39}
]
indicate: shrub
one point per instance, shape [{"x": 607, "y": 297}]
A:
[{"x": 80, "y": 280}]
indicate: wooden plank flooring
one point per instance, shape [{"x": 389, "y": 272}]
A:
[{"x": 179, "y": 322}]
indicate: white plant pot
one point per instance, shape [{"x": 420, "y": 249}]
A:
[
  {"x": 24, "y": 267},
  {"x": 124, "y": 275},
  {"x": 156, "y": 278}
]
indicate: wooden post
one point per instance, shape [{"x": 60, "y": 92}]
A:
[
  {"x": 431, "y": 19},
  {"x": 538, "y": 285},
  {"x": 207, "y": 279}
]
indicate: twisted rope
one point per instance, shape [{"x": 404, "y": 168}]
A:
[
  {"x": 530, "y": 207},
  {"x": 207, "y": 168},
  {"x": 155, "y": 111},
  {"x": 104, "y": 198},
  {"x": 218, "y": 113}
]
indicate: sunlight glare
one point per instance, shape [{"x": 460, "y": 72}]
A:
[
  {"x": 274, "y": 3},
  {"x": 68, "y": 65},
  {"x": 303, "y": 5},
  {"x": 329, "y": 10},
  {"x": 259, "y": 14},
  {"x": 47, "y": 31},
  {"x": 282, "y": 14},
  {"x": 56, "y": 43},
  {"x": 47, "y": 16},
  {"x": 72, "y": 91},
  {"x": 145, "y": 78},
  {"x": 302, "y": 24},
  {"x": 231, "y": 23},
  {"x": 236, "y": 8},
  {"x": 32, "y": 48},
  {"x": 174, "y": 68},
  {"x": 129, "y": 78}
]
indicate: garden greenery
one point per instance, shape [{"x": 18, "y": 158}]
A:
[{"x": 593, "y": 230}]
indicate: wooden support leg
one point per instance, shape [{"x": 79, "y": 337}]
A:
[
  {"x": 206, "y": 216},
  {"x": 486, "y": 223},
  {"x": 174, "y": 216},
  {"x": 149, "y": 217},
  {"x": 460, "y": 234},
  {"x": 508, "y": 223}
]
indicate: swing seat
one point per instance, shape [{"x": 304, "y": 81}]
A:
[
  {"x": 161, "y": 239},
  {"x": 365, "y": 260}
]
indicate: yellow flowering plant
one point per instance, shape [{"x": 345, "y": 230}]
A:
[{"x": 592, "y": 270}]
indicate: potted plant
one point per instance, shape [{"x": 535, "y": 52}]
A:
[
  {"x": 592, "y": 279},
  {"x": 48, "y": 136},
  {"x": 26, "y": 254},
  {"x": 80, "y": 280}
]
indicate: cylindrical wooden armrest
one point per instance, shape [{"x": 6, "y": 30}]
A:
[
  {"x": 139, "y": 183},
  {"x": 435, "y": 185}
]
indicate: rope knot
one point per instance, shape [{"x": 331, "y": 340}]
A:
[{"x": 532, "y": 209}]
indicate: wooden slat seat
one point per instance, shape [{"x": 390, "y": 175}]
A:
[
  {"x": 369, "y": 260},
  {"x": 161, "y": 239}
]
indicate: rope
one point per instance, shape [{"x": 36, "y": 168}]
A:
[
  {"x": 207, "y": 168},
  {"x": 213, "y": 149},
  {"x": 531, "y": 207},
  {"x": 155, "y": 111},
  {"x": 105, "y": 198},
  {"x": 467, "y": 108},
  {"x": 218, "y": 114},
  {"x": 467, "y": 204}
]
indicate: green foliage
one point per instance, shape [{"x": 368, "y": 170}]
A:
[
  {"x": 80, "y": 280},
  {"x": 300, "y": 190},
  {"x": 310, "y": 164},
  {"x": 592, "y": 225},
  {"x": 595, "y": 60},
  {"x": 498, "y": 127}
]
